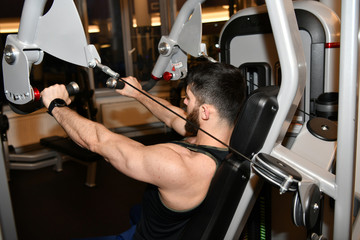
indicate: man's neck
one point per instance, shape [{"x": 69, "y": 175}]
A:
[{"x": 222, "y": 133}]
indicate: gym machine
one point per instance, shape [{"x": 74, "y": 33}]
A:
[
  {"x": 290, "y": 168},
  {"x": 283, "y": 167}
]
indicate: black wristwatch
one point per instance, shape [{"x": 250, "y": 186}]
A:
[{"x": 57, "y": 102}]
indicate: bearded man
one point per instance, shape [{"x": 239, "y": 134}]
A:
[{"x": 179, "y": 173}]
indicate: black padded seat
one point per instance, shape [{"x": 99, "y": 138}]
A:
[
  {"x": 226, "y": 189},
  {"x": 67, "y": 146}
]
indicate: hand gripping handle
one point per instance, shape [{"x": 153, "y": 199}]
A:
[
  {"x": 114, "y": 83},
  {"x": 72, "y": 88}
]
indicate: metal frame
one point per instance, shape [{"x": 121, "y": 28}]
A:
[
  {"x": 287, "y": 38},
  {"x": 347, "y": 130},
  {"x": 340, "y": 186},
  {"x": 286, "y": 34},
  {"x": 125, "y": 21}
]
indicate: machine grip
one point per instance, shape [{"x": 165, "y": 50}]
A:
[
  {"x": 114, "y": 83},
  {"x": 120, "y": 84},
  {"x": 72, "y": 88}
]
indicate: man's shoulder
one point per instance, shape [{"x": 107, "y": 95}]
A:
[
  {"x": 191, "y": 154},
  {"x": 177, "y": 147},
  {"x": 184, "y": 150}
]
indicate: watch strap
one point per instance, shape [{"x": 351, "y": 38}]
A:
[{"x": 55, "y": 103}]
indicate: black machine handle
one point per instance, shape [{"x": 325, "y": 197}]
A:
[
  {"x": 120, "y": 84},
  {"x": 72, "y": 89},
  {"x": 115, "y": 83}
]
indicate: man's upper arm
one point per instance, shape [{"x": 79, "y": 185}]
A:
[
  {"x": 156, "y": 164},
  {"x": 160, "y": 165}
]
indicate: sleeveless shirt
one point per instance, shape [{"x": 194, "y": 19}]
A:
[{"x": 159, "y": 222}]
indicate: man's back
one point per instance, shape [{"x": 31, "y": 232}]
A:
[{"x": 158, "y": 221}]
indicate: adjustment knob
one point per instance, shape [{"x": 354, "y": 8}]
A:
[{"x": 167, "y": 76}]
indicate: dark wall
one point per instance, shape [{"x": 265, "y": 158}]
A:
[{"x": 11, "y": 8}]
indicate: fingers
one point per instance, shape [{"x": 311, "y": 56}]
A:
[
  {"x": 133, "y": 81},
  {"x": 129, "y": 89},
  {"x": 55, "y": 91}
]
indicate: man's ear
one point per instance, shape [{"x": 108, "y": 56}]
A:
[{"x": 205, "y": 111}]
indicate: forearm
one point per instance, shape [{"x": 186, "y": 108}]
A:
[
  {"x": 115, "y": 148},
  {"x": 81, "y": 130},
  {"x": 158, "y": 110},
  {"x": 122, "y": 152},
  {"x": 134, "y": 90},
  {"x": 144, "y": 163}
]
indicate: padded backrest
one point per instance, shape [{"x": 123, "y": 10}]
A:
[{"x": 254, "y": 122}]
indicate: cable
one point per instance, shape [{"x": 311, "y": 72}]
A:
[
  {"x": 178, "y": 115},
  {"x": 300, "y": 110},
  {"x": 113, "y": 83}
]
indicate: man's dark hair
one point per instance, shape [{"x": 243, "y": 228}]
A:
[{"x": 218, "y": 84}]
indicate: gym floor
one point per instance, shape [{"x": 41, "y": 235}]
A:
[{"x": 51, "y": 205}]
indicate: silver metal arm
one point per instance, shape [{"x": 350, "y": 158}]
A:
[
  {"x": 59, "y": 32},
  {"x": 347, "y": 119},
  {"x": 185, "y": 37},
  {"x": 32, "y": 11},
  {"x": 291, "y": 55}
]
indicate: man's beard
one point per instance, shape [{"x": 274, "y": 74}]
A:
[{"x": 193, "y": 117}]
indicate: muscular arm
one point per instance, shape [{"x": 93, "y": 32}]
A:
[
  {"x": 159, "y": 164},
  {"x": 183, "y": 178},
  {"x": 169, "y": 118}
]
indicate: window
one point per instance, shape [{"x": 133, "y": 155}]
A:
[{"x": 126, "y": 34}]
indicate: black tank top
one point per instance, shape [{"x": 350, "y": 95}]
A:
[{"x": 161, "y": 223}]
